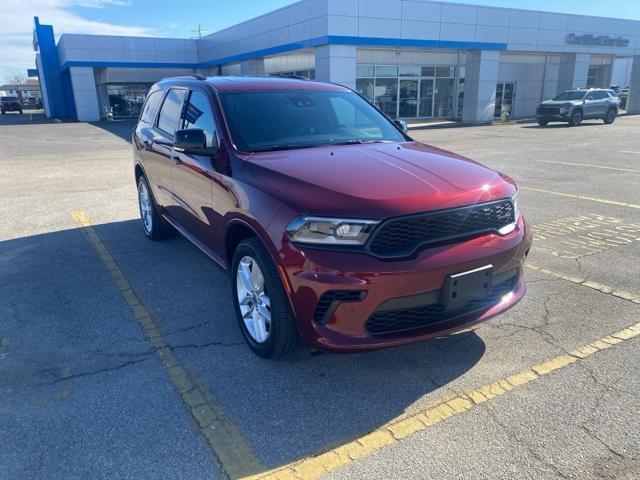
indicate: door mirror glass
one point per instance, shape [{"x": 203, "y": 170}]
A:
[
  {"x": 191, "y": 141},
  {"x": 402, "y": 125}
]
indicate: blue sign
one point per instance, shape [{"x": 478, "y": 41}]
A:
[{"x": 591, "y": 40}]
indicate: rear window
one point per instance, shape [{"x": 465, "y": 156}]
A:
[
  {"x": 169, "y": 118},
  {"x": 151, "y": 107}
]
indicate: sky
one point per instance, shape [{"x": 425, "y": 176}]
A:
[{"x": 168, "y": 18}]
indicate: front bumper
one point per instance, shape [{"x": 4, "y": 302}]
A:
[
  {"x": 553, "y": 118},
  {"x": 376, "y": 283}
]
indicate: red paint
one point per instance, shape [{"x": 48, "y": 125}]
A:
[{"x": 263, "y": 192}]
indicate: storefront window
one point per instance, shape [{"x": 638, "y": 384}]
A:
[
  {"x": 125, "y": 100},
  {"x": 386, "y": 95},
  {"x": 409, "y": 91}
]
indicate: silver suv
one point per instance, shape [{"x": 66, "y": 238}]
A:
[{"x": 573, "y": 106}]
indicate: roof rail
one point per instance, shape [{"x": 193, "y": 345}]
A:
[{"x": 199, "y": 76}]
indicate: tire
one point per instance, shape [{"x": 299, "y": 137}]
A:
[
  {"x": 154, "y": 226},
  {"x": 576, "y": 118},
  {"x": 543, "y": 123},
  {"x": 279, "y": 337},
  {"x": 611, "y": 116}
]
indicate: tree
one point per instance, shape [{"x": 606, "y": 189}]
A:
[{"x": 17, "y": 78}]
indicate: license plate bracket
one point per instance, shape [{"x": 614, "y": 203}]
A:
[{"x": 462, "y": 288}]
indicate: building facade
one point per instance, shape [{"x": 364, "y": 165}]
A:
[{"x": 411, "y": 58}]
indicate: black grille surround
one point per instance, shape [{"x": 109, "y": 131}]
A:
[
  {"x": 402, "y": 236},
  {"x": 430, "y": 311},
  {"x": 544, "y": 110},
  {"x": 330, "y": 300}
]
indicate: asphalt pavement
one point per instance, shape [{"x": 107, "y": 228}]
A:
[{"x": 93, "y": 372}]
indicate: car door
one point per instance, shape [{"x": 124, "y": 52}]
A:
[
  {"x": 155, "y": 168},
  {"x": 193, "y": 174},
  {"x": 161, "y": 156},
  {"x": 591, "y": 107}
]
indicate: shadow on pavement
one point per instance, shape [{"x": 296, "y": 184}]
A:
[
  {"x": 285, "y": 409},
  {"x": 119, "y": 128}
]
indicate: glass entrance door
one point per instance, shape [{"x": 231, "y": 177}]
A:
[
  {"x": 408, "y": 99},
  {"x": 505, "y": 94},
  {"x": 426, "y": 97}
]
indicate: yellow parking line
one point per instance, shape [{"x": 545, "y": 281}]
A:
[
  {"x": 631, "y": 297},
  {"x": 582, "y": 197},
  {"x": 587, "y": 165},
  {"x": 221, "y": 433},
  {"x": 317, "y": 466}
]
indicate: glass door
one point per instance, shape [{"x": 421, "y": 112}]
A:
[
  {"x": 426, "y": 97},
  {"x": 505, "y": 95},
  {"x": 408, "y": 99}
]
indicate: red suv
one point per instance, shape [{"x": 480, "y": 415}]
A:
[{"x": 336, "y": 227}]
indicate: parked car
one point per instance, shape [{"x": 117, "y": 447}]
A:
[
  {"x": 616, "y": 89},
  {"x": 336, "y": 227},
  {"x": 10, "y": 104},
  {"x": 573, "y": 106}
]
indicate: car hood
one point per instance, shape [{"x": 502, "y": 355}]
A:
[
  {"x": 559, "y": 103},
  {"x": 377, "y": 180}
]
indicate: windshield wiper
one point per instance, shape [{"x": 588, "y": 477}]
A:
[
  {"x": 357, "y": 142},
  {"x": 275, "y": 148}
]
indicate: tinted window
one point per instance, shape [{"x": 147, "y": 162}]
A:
[
  {"x": 570, "y": 95},
  {"x": 284, "y": 119},
  {"x": 169, "y": 118},
  {"x": 198, "y": 114},
  {"x": 9, "y": 99},
  {"x": 150, "y": 107}
]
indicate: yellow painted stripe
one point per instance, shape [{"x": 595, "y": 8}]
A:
[
  {"x": 317, "y": 466},
  {"x": 631, "y": 170},
  {"x": 582, "y": 197},
  {"x": 631, "y": 297},
  {"x": 221, "y": 433}
]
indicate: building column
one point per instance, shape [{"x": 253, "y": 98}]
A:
[
  {"x": 253, "y": 67},
  {"x": 480, "y": 83},
  {"x": 633, "y": 102},
  {"x": 83, "y": 84},
  {"x": 336, "y": 64},
  {"x": 574, "y": 69}
]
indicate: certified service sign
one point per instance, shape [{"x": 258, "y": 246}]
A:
[{"x": 591, "y": 40}]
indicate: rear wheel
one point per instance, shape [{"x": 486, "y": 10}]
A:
[
  {"x": 543, "y": 123},
  {"x": 153, "y": 225},
  {"x": 576, "y": 118},
  {"x": 611, "y": 116},
  {"x": 261, "y": 303}
]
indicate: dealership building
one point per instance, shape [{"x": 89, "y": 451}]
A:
[{"x": 412, "y": 58}]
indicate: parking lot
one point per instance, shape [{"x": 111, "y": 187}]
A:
[{"x": 121, "y": 358}]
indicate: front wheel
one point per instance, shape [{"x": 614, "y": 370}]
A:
[
  {"x": 261, "y": 303},
  {"x": 543, "y": 123},
  {"x": 611, "y": 117},
  {"x": 576, "y": 118}
]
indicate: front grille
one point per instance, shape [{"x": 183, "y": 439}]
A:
[
  {"x": 402, "y": 236},
  {"x": 548, "y": 110},
  {"x": 393, "y": 321},
  {"x": 330, "y": 300}
]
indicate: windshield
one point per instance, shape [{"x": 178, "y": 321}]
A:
[
  {"x": 288, "y": 119},
  {"x": 9, "y": 99},
  {"x": 571, "y": 95}
]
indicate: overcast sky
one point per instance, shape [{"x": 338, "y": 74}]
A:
[{"x": 172, "y": 19}]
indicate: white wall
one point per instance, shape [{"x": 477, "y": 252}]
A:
[{"x": 85, "y": 94}]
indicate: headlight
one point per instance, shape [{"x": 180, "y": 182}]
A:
[
  {"x": 330, "y": 231},
  {"x": 516, "y": 210}
]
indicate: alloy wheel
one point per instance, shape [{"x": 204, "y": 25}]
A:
[
  {"x": 146, "y": 207},
  {"x": 254, "y": 303}
]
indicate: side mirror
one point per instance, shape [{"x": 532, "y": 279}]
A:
[
  {"x": 191, "y": 141},
  {"x": 402, "y": 125}
]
